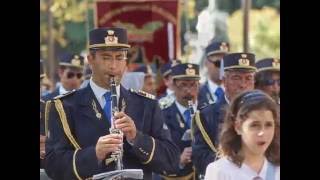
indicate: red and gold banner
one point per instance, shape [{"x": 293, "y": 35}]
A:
[{"x": 153, "y": 26}]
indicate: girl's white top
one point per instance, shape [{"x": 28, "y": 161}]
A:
[{"x": 224, "y": 169}]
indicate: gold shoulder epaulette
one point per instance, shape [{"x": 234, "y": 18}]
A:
[
  {"x": 142, "y": 93},
  {"x": 65, "y": 94}
]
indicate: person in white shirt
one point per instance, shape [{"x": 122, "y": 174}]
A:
[
  {"x": 250, "y": 140},
  {"x": 168, "y": 97},
  {"x": 133, "y": 80},
  {"x": 267, "y": 78}
]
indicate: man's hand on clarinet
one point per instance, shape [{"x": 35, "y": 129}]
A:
[
  {"x": 107, "y": 144},
  {"x": 42, "y": 146},
  {"x": 126, "y": 124}
]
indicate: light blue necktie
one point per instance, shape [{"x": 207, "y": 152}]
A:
[
  {"x": 107, "y": 106},
  {"x": 187, "y": 117}
]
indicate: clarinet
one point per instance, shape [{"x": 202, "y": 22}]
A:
[
  {"x": 117, "y": 155},
  {"x": 190, "y": 106}
]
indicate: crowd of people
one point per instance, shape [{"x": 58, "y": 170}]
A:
[{"x": 227, "y": 128}]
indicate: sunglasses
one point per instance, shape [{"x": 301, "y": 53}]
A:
[
  {"x": 270, "y": 82},
  {"x": 216, "y": 62},
  {"x": 70, "y": 75}
]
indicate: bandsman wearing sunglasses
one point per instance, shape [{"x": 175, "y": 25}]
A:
[
  {"x": 212, "y": 90},
  {"x": 70, "y": 73},
  {"x": 238, "y": 76},
  {"x": 267, "y": 78}
]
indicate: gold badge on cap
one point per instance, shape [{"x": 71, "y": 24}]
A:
[
  {"x": 111, "y": 38},
  {"x": 190, "y": 70},
  {"x": 276, "y": 63},
  {"x": 224, "y": 47},
  {"x": 76, "y": 61},
  {"x": 244, "y": 61}
]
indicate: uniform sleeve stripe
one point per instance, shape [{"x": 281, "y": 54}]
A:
[
  {"x": 152, "y": 152},
  {"x": 74, "y": 164}
]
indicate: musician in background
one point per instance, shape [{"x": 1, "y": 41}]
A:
[
  {"x": 79, "y": 144},
  {"x": 179, "y": 114},
  {"x": 267, "y": 77},
  {"x": 212, "y": 90},
  {"x": 239, "y": 70},
  {"x": 43, "y": 175},
  {"x": 168, "y": 97},
  {"x": 42, "y": 127},
  {"x": 70, "y": 73},
  {"x": 149, "y": 82}
]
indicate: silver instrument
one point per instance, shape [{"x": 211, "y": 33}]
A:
[
  {"x": 117, "y": 155},
  {"x": 119, "y": 173},
  {"x": 190, "y": 106},
  {"x": 187, "y": 134}
]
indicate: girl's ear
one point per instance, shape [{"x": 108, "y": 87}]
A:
[{"x": 237, "y": 127}]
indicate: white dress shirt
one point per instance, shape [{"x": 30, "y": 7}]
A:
[
  {"x": 182, "y": 108},
  {"x": 224, "y": 169},
  {"x": 213, "y": 87},
  {"x": 62, "y": 90},
  {"x": 169, "y": 92},
  {"x": 99, "y": 92}
]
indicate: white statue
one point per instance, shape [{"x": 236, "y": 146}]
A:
[{"x": 212, "y": 24}]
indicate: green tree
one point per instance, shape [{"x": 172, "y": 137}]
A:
[
  {"x": 231, "y": 6},
  {"x": 70, "y": 18},
  {"x": 264, "y": 33}
]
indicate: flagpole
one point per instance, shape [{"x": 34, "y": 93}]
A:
[{"x": 246, "y": 5}]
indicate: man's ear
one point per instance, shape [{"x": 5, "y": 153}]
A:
[
  {"x": 89, "y": 58},
  {"x": 237, "y": 127},
  {"x": 223, "y": 79},
  {"x": 206, "y": 62},
  {"x": 60, "y": 72}
]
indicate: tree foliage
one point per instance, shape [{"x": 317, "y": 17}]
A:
[
  {"x": 69, "y": 24},
  {"x": 264, "y": 32}
]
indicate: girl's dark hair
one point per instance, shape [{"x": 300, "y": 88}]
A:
[{"x": 244, "y": 103}]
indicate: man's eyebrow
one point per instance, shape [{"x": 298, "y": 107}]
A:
[{"x": 105, "y": 54}]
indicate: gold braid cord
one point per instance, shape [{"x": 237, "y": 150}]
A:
[
  {"x": 46, "y": 117},
  {"x": 65, "y": 124},
  {"x": 74, "y": 164},
  {"x": 67, "y": 131},
  {"x": 204, "y": 133}
]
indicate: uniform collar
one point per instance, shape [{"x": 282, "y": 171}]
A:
[
  {"x": 227, "y": 100},
  {"x": 169, "y": 91},
  {"x": 62, "y": 90},
  {"x": 213, "y": 86},
  {"x": 182, "y": 108},
  {"x": 100, "y": 91}
]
